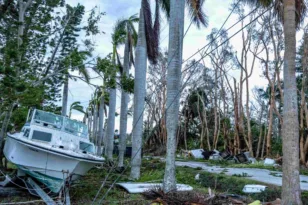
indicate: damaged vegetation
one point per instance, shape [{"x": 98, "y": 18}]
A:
[{"x": 209, "y": 189}]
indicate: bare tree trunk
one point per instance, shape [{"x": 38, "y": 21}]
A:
[
  {"x": 23, "y": 6},
  {"x": 65, "y": 96},
  {"x": 237, "y": 143},
  {"x": 263, "y": 144},
  {"x": 3, "y": 131},
  {"x": 260, "y": 135},
  {"x": 270, "y": 125},
  {"x": 215, "y": 111},
  {"x": 176, "y": 33},
  {"x": 302, "y": 128},
  {"x": 291, "y": 192}
]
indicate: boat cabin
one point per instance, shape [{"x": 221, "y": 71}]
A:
[{"x": 57, "y": 131}]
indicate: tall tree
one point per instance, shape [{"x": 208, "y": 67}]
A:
[
  {"x": 176, "y": 34},
  {"x": 291, "y": 13},
  {"x": 147, "y": 48}
]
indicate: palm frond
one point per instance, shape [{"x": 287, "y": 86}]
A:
[
  {"x": 119, "y": 33},
  {"x": 84, "y": 73},
  {"x": 131, "y": 53},
  {"x": 197, "y": 14},
  {"x": 119, "y": 62},
  {"x": 151, "y": 38},
  {"x": 300, "y": 8},
  {"x": 165, "y": 6},
  {"x": 134, "y": 18}
]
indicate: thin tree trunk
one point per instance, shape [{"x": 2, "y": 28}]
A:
[
  {"x": 270, "y": 125},
  {"x": 4, "y": 129},
  {"x": 260, "y": 135},
  {"x": 23, "y": 6},
  {"x": 248, "y": 117},
  {"x": 95, "y": 124},
  {"x": 65, "y": 96},
  {"x": 124, "y": 107},
  {"x": 302, "y": 128},
  {"x": 139, "y": 97},
  {"x": 176, "y": 33},
  {"x": 215, "y": 111},
  {"x": 263, "y": 144},
  {"x": 110, "y": 122},
  {"x": 291, "y": 192},
  {"x": 101, "y": 125},
  {"x": 259, "y": 142}
]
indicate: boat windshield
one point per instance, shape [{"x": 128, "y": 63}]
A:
[
  {"x": 48, "y": 118},
  {"x": 75, "y": 127}
]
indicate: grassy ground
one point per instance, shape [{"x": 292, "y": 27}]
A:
[{"x": 85, "y": 189}]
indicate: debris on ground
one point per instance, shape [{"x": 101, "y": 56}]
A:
[
  {"x": 206, "y": 154},
  {"x": 197, "y": 177},
  {"x": 269, "y": 161},
  {"x": 193, "y": 198},
  {"x": 197, "y": 153},
  {"x": 135, "y": 188},
  {"x": 254, "y": 188},
  {"x": 276, "y": 202}
]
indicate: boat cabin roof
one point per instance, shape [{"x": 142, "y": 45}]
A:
[{"x": 57, "y": 122}]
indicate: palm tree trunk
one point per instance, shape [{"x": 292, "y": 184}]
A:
[
  {"x": 291, "y": 193},
  {"x": 110, "y": 122},
  {"x": 101, "y": 125},
  {"x": 176, "y": 31},
  {"x": 65, "y": 96},
  {"x": 124, "y": 107},
  {"x": 139, "y": 97}
]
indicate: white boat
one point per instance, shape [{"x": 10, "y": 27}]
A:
[{"x": 52, "y": 149}]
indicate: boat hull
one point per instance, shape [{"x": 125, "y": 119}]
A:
[{"x": 46, "y": 165}]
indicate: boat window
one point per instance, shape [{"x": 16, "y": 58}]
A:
[
  {"x": 30, "y": 114},
  {"x": 86, "y": 147},
  {"x": 26, "y": 133},
  {"x": 42, "y": 136},
  {"x": 76, "y": 128},
  {"x": 48, "y": 119}
]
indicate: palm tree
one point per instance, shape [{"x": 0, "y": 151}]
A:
[
  {"x": 291, "y": 13},
  {"x": 76, "y": 106},
  {"x": 118, "y": 38},
  {"x": 147, "y": 47},
  {"x": 176, "y": 34},
  {"x": 130, "y": 42}
]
